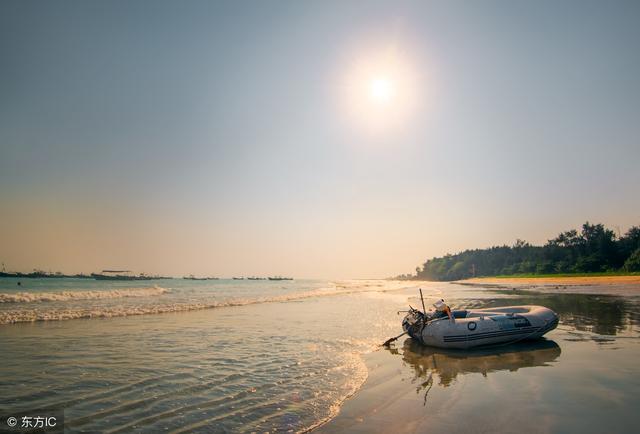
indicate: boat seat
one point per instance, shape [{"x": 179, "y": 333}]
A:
[{"x": 459, "y": 314}]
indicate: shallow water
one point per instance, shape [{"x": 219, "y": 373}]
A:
[{"x": 260, "y": 356}]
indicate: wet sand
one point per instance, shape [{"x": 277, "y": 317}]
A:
[
  {"x": 400, "y": 400},
  {"x": 582, "y": 377}
]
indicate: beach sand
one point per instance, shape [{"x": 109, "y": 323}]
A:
[
  {"x": 612, "y": 285},
  {"x": 560, "y": 280}
]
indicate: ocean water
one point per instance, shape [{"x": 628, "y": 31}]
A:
[
  {"x": 59, "y": 299},
  {"x": 260, "y": 356},
  {"x": 224, "y": 356}
]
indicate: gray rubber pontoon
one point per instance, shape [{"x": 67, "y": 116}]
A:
[{"x": 478, "y": 327}]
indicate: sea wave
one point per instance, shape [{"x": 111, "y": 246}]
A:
[
  {"x": 31, "y": 297},
  {"x": 12, "y": 316}
]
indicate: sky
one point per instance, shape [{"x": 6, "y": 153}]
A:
[{"x": 320, "y": 139}]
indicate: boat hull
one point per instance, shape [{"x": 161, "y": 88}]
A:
[{"x": 484, "y": 327}]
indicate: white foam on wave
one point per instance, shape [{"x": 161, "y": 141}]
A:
[
  {"x": 12, "y": 316},
  {"x": 31, "y": 297}
]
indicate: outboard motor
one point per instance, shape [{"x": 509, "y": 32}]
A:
[{"x": 414, "y": 322}]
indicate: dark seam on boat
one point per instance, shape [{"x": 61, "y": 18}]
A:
[
  {"x": 495, "y": 331},
  {"x": 488, "y": 336}
]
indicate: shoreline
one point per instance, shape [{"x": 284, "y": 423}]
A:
[{"x": 357, "y": 413}]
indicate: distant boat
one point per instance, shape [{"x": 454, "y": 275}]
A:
[
  {"x": 41, "y": 275},
  {"x": 192, "y": 277},
  {"x": 280, "y": 278},
  {"x": 256, "y": 278},
  {"x": 114, "y": 275},
  {"x": 98, "y": 276},
  {"x": 238, "y": 278}
]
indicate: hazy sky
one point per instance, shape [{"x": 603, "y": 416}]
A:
[{"x": 239, "y": 138}]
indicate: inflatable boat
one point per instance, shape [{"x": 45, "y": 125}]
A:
[{"x": 445, "y": 328}]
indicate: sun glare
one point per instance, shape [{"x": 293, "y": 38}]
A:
[{"x": 381, "y": 92}]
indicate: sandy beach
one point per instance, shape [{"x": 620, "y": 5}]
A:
[
  {"x": 560, "y": 280},
  {"x": 613, "y": 285}
]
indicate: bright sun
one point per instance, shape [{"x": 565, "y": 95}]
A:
[{"x": 381, "y": 90}]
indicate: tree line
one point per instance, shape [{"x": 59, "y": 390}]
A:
[{"x": 593, "y": 249}]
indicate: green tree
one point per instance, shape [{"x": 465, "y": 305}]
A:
[
  {"x": 633, "y": 262},
  {"x": 594, "y": 248}
]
